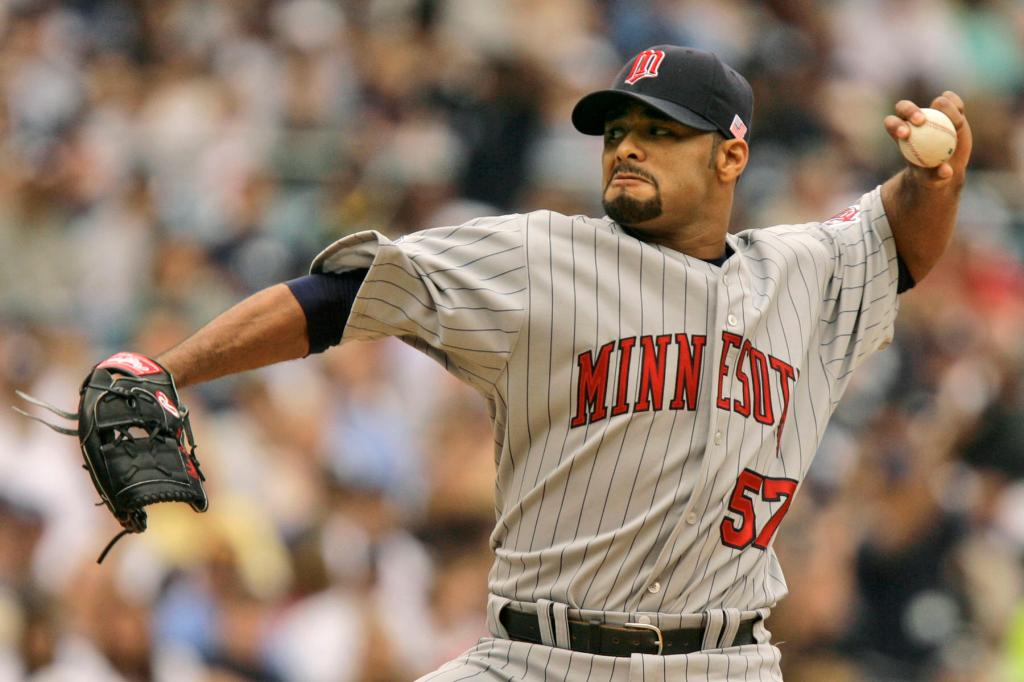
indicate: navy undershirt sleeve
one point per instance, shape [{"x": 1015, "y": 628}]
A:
[
  {"x": 906, "y": 280},
  {"x": 327, "y": 300}
]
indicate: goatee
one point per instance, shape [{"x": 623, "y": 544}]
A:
[{"x": 625, "y": 210}]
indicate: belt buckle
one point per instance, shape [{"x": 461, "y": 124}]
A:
[{"x": 653, "y": 628}]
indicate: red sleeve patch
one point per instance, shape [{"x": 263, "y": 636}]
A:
[{"x": 847, "y": 215}]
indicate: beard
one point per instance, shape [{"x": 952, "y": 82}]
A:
[{"x": 625, "y": 210}]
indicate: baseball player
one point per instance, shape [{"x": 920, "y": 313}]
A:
[{"x": 657, "y": 386}]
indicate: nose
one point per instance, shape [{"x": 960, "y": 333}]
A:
[{"x": 629, "y": 148}]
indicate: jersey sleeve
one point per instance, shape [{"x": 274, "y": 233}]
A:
[
  {"x": 456, "y": 293},
  {"x": 860, "y": 302}
]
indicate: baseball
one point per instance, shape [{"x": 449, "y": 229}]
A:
[{"x": 932, "y": 142}]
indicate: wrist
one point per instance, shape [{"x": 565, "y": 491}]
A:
[{"x": 174, "y": 367}]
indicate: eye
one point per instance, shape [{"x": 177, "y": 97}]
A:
[
  {"x": 613, "y": 133},
  {"x": 661, "y": 131}
]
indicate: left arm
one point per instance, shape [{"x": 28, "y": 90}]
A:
[{"x": 921, "y": 203}]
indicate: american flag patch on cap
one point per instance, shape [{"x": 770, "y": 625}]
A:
[{"x": 738, "y": 129}]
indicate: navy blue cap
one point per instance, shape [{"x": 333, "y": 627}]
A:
[{"x": 690, "y": 86}]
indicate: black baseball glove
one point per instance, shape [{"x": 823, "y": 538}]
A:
[{"x": 136, "y": 439}]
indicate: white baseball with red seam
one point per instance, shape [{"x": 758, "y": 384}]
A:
[{"x": 930, "y": 143}]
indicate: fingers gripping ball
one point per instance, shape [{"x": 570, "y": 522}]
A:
[{"x": 932, "y": 142}]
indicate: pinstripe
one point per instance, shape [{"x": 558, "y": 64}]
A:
[
  {"x": 672, "y": 424},
  {"x": 764, "y": 463},
  {"x": 547, "y": 432},
  {"x": 693, "y": 432},
  {"x": 435, "y": 305},
  {"x": 789, "y": 353},
  {"x": 459, "y": 266},
  {"x": 441, "y": 325},
  {"x": 415, "y": 276},
  {"x": 743, "y": 425},
  {"x": 526, "y": 397},
  {"x": 650, "y": 505},
  {"x": 710, "y": 541},
  {"x": 728, "y": 432},
  {"x": 500, "y": 274},
  {"x": 409, "y": 239},
  {"x": 428, "y": 350},
  {"x": 676, "y": 419},
  {"x": 593, "y": 465},
  {"x": 547, "y": 662},
  {"x": 590, "y": 475},
  {"x": 806, "y": 386},
  {"x": 596, "y": 309},
  {"x": 437, "y": 335},
  {"x": 565, "y": 439},
  {"x": 622, "y": 443},
  {"x": 401, "y": 332},
  {"x": 475, "y": 241}
]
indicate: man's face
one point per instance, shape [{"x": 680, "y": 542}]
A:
[{"x": 656, "y": 171}]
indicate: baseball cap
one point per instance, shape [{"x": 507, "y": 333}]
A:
[{"x": 688, "y": 85}]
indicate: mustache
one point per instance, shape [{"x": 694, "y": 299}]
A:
[{"x": 633, "y": 170}]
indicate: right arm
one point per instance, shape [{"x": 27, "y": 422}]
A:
[{"x": 266, "y": 328}]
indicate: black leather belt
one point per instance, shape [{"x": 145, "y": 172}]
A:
[{"x": 627, "y": 639}]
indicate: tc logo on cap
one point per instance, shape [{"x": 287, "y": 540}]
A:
[{"x": 645, "y": 65}]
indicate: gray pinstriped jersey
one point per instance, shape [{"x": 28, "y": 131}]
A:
[{"x": 653, "y": 414}]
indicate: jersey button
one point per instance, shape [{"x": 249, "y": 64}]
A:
[
  {"x": 691, "y": 518},
  {"x": 654, "y": 588},
  {"x": 732, "y": 321},
  {"x": 718, "y": 437}
]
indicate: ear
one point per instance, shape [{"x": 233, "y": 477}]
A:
[{"x": 731, "y": 159}]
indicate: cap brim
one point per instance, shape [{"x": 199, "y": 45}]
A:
[{"x": 590, "y": 112}]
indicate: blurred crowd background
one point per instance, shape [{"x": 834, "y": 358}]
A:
[{"x": 161, "y": 159}]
